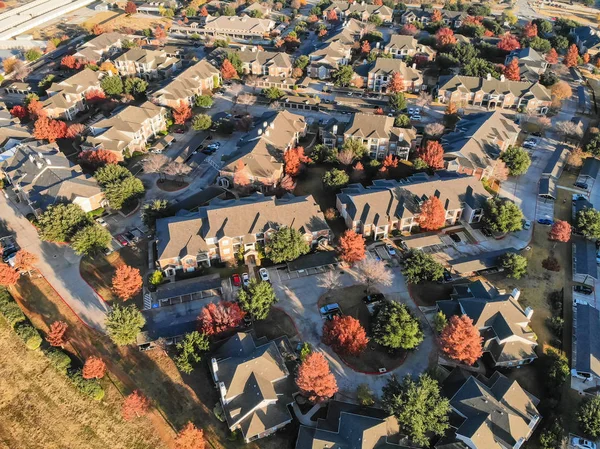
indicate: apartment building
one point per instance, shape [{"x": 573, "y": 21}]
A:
[
  {"x": 359, "y": 10},
  {"x": 265, "y": 63},
  {"x": 531, "y": 63},
  {"x": 128, "y": 130},
  {"x": 189, "y": 84},
  {"x": 146, "y": 64},
  {"x": 382, "y": 71},
  {"x": 260, "y": 155},
  {"x": 452, "y": 19},
  {"x": 336, "y": 51},
  {"x": 101, "y": 47},
  {"x": 380, "y": 136},
  {"x": 492, "y": 93},
  {"x": 387, "y": 205},
  {"x": 228, "y": 229},
  {"x": 67, "y": 98},
  {"x": 501, "y": 320},
  {"x": 477, "y": 141},
  {"x": 403, "y": 47},
  {"x": 240, "y": 29}
]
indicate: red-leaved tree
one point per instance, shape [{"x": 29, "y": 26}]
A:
[
  {"x": 127, "y": 282},
  {"x": 508, "y": 43},
  {"x": 220, "y": 317},
  {"x": 460, "y": 340},
  {"x": 445, "y": 36},
  {"x": 572, "y": 56},
  {"x": 345, "y": 335},
  {"x": 511, "y": 71},
  {"x": 182, "y": 114},
  {"x": 134, "y": 406},
  {"x": 74, "y": 130},
  {"x": 190, "y": 437},
  {"x": 352, "y": 246},
  {"x": 8, "y": 275},
  {"x": 203, "y": 12},
  {"x": 19, "y": 111},
  {"x": 48, "y": 129},
  {"x": 240, "y": 177},
  {"x": 409, "y": 30},
  {"x": 552, "y": 56},
  {"x": 57, "y": 334},
  {"x": 130, "y": 8},
  {"x": 97, "y": 158},
  {"x": 433, "y": 154},
  {"x": 561, "y": 231},
  {"x": 530, "y": 30},
  {"x": 95, "y": 95},
  {"x": 35, "y": 108},
  {"x": 160, "y": 33},
  {"x": 332, "y": 15},
  {"x": 365, "y": 47},
  {"x": 228, "y": 71},
  {"x": 294, "y": 160},
  {"x": 432, "y": 215},
  {"x": 94, "y": 368},
  {"x": 314, "y": 379},
  {"x": 396, "y": 83}
]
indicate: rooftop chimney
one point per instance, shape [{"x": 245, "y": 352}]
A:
[
  {"x": 502, "y": 78},
  {"x": 488, "y": 76},
  {"x": 516, "y": 293},
  {"x": 265, "y": 124},
  {"x": 528, "y": 312},
  {"x": 414, "y": 66}
]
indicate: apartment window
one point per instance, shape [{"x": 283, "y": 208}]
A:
[{"x": 226, "y": 251}]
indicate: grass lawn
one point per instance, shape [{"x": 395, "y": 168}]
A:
[
  {"x": 428, "y": 293},
  {"x": 99, "y": 270},
  {"x": 278, "y": 323},
  {"x": 374, "y": 356}
]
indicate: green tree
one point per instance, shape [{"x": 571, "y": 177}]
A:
[
  {"x": 229, "y": 11},
  {"x": 46, "y": 82},
  {"x": 201, "y": 122},
  {"x": 397, "y": 101},
  {"x": 560, "y": 43},
  {"x": 123, "y": 324},
  {"x": 30, "y": 336},
  {"x": 89, "y": 387},
  {"x": 515, "y": 264},
  {"x": 258, "y": 299},
  {"x": 305, "y": 350},
  {"x": 189, "y": 350},
  {"x": 203, "y": 101},
  {"x": 553, "y": 436},
  {"x": 236, "y": 61},
  {"x": 301, "y": 62},
  {"x": 439, "y": 321},
  {"x": 342, "y": 77},
  {"x": 480, "y": 68},
  {"x": 395, "y": 327},
  {"x": 402, "y": 121},
  {"x": 517, "y": 160},
  {"x": 190, "y": 11},
  {"x": 119, "y": 194},
  {"x": 286, "y": 244},
  {"x": 135, "y": 86},
  {"x": 273, "y": 93},
  {"x": 419, "y": 406},
  {"x": 111, "y": 173},
  {"x": 154, "y": 210},
  {"x": 589, "y": 417},
  {"x": 112, "y": 85},
  {"x": 58, "y": 359},
  {"x": 157, "y": 277},
  {"x": 375, "y": 20},
  {"x": 419, "y": 267},
  {"x": 588, "y": 223},
  {"x": 335, "y": 179},
  {"x": 12, "y": 313},
  {"x": 464, "y": 52},
  {"x": 539, "y": 44},
  {"x": 556, "y": 369},
  {"x": 33, "y": 54},
  {"x": 61, "y": 221},
  {"x": 364, "y": 395},
  {"x": 90, "y": 239},
  {"x": 356, "y": 146},
  {"x": 502, "y": 215}
]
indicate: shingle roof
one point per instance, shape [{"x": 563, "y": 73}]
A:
[
  {"x": 187, "y": 82},
  {"x": 585, "y": 255},
  {"x": 239, "y": 23},
  {"x": 590, "y": 167},
  {"x": 586, "y": 339},
  {"x": 269, "y": 58},
  {"x": 386, "y": 67},
  {"x": 474, "y": 84}
]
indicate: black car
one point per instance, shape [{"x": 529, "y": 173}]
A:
[
  {"x": 585, "y": 289},
  {"x": 209, "y": 150},
  {"x": 486, "y": 232},
  {"x": 7, "y": 254},
  {"x": 330, "y": 316},
  {"x": 447, "y": 276},
  {"x": 375, "y": 297},
  {"x": 581, "y": 185},
  {"x": 455, "y": 238}
]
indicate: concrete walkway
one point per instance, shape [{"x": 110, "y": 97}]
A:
[
  {"x": 58, "y": 264},
  {"x": 305, "y": 420}
]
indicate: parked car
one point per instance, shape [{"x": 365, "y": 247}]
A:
[
  {"x": 486, "y": 232},
  {"x": 580, "y": 443},
  {"x": 209, "y": 150},
  {"x": 546, "y": 221},
  {"x": 455, "y": 238},
  {"x": 329, "y": 309},
  {"x": 526, "y": 224},
  {"x": 264, "y": 275},
  {"x": 245, "y": 279},
  {"x": 237, "y": 280},
  {"x": 447, "y": 276},
  {"x": 107, "y": 251},
  {"x": 129, "y": 236},
  {"x": 375, "y": 297},
  {"x": 122, "y": 240},
  {"x": 581, "y": 185},
  {"x": 411, "y": 111},
  {"x": 530, "y": 143},
  {"x": 584, "y": 289},
  {"x": 8, "y": 254},
  {"x": 101, "y": 222},
  {"x": 390, "y": 249},
  {"x": 416, "y": 117},
  {"x": 180, "y": 131}
]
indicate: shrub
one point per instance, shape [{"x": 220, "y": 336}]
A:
[
  {"x": 551, "y": 264},
  {"x": 89, "y": 387},
  {"x": 59, "y": 359},
  {"x": 13, "y": 314},
  {"x": 30, "y": 336}
]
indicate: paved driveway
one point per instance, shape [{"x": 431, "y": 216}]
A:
[
  {"x": 299, "y": 297},
  {"x": 59, "y": 265}
]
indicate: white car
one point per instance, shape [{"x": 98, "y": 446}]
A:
[
  {"x": 417, "y": 111},
  {"x": 390, "y": 249},
  {"x": 411, "y": 111},
  {"x": 527, "y": 224},
  {"x": 530, "y": 143},
  {"x": 264, "y": 275},
  {"x": 101, "y": 222},
  {"x": 245, "y": 279},
  {"x": 580, "y": 443},
  {"x": 416, "y": 117}
]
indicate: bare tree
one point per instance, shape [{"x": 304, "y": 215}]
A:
[
  {"x": 235, "y": 90},
  {"x": 288, "y": 183},
  {"x": 177, "y": 170},
  {"x": 569, "y": 128},
  {"x": 345, "y": 157},
  {"x": 368, "y": 27},
  {"x": 424, "y": 99},
  {"x": 21, "y": 70},
  {"x": 372, "y": 272},
  {"x": 544, "y": 123},
  {"x": 434, "y": 129},
  {"x": 252, "y": 81},
  {"x": 501, "y": 171},
  {"x": 330, "y": 280},
  {"x": 154, "y": 164},
  {"x": 246, "y": 100}
]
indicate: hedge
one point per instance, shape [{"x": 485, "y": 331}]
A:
[
  {"x": 89, "y": 387},
  {"x": 59, "y": 359},
  {"x": 13, "y": 313},
  {"x": 30, "y": 336}
]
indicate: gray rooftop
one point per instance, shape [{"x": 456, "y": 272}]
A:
[{"x": 586, "y": 341}]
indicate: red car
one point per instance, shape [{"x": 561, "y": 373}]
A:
[
  {"x": 237, "y": 281},
  {"x": 122, "y": 240}
]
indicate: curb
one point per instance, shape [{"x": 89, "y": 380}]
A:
[{"x": 93, "y": 289}]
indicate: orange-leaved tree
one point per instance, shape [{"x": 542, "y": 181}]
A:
[
  {"x": 352, "y": 246},
  {"x": 25, "y": 261},
  {"x": 445, "y": 36},
  {"x": 460, "y": 340},
  {"x": 228, "y": 71},
  {"x": 56, "y": 335},
  {"x": 134, "y": 406},
  {"x": 345, "y": 335},
  {"x": 396, "y": 83},
  {"x": 190, "y": 437},
  {"x": 97, "y": 158},
  {"x": 94, "y": 368},
  {"x": 572, "y": 56},
  {"x": 561, "y": 231},
  {"x": 294, "y": 159},
  {"x": 8, "y": 275},
  {"x": 127, "y": 282},
  {"x": 220, "y": 317},
  {"x": 314, "y": 378},
  {"x": 432, "y": 215},
  {"x": 432, "y": 154},
  {"x": 508, "y": 43},
  {"x": 240, "y": 177},
  {"x": 182, "y": 113},
  {"x": 511, "y": 71},
  {"x": 552, "y": 56},
  {"x": 530, "y": 30},
  {"x": 48, "y": 129},
  {"x": 74, "y": 130}
]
